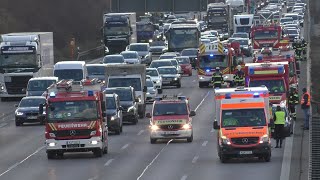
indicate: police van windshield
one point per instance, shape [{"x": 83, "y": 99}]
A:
[
  {"x": 243, "y": 118},
  {"x": 39, "y": 85},
  {"x": 75, "y": 74},
  {"x": 73, "y": 110},
  {"x": 170, "y": 109},
  {"x": 213, "y": 61},
  {"x": 274, "y": 85}
]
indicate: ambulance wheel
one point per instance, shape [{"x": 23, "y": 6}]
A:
[
  {"x": 98, "y": 152},
  {"x": 190, "y": 139},
  {"x": 267, "y": 158},
  {"x": 223, "y": 158},
  {"x": 153, "y": 141},
  {"x": 51, "y": 155}
]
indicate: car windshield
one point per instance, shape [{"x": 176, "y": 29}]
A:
[
  {"x": 149, "y": 83},
  {"x": 174, "y": 62},
  {"x": 152, "y": 72},
  {"x": 138, "y": 47},
  {"x": 274, "y": 86},
  {"x": 125, "y": 82},
  {"x": 73, "y": 110},
  {"x": 31, "y": 102},
  {"x": 167, "y": 56},
  {"x": 158, "y": 43},
  {"x": 110, "y": 103},
  {"x": 212, "y": 61},
  {"x": 156, "y": 64},
  {"x": 189, "y": 52},
  {"x": 167, "y": 70},
  {"x": 124, "y": 94},
  {"x": 243, "y": 118},
  {"x": 75, "y": 74},
  {"x": 39, "y": 85},
  {"x": 130, "y": 55},
  {"x": 161, "y": 109},
  {"x": 240, "y": 35},
  {"x": 294, "y": 17},
  {"x": 183, "y": 60},
  {"x": 113, "y": 59},
  {"x": 95, "y": 70},
  {"x": 283, "y": 20},
  {"x": 292, "y": 31}
]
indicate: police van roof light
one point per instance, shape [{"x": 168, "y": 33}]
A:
[
  {"x": 251, "y": 70},
  {"x": 256, "y": 95},
  {"x": 207, "y": 70},
  {"x": 52, "y": 95},
  {"x": 280, "y": 70},
  {"x": 259, "y": 58},
  {"x": 211, "y": 55},
  {"x": 228, "y": 96},
  {"x": 90, "y": 93},
  {"x": 288, "y": 56}
]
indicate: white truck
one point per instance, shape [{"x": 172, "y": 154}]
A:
[
  {"x": 22, "y": 57},
  {"x": 133, "y": 75},
  {"x": 238, "y": 5},
  {"x": 243, "y": 23}
]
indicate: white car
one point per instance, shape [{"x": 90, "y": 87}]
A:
[
  {"x": 152, "y": 92},
  {"x": 131, "y": 57},
  {"x": 155, "y": 77}
]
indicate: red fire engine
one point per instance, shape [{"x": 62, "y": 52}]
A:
[
  {"x": 75, "y": 119},
  {"x": 266, "y": 36},
  {"x": 275, "y": 76}
]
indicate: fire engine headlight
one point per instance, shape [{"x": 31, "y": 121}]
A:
[
  {"x": 52, "y": 144},
  {"x": 154, "y": 127},
  {"x": 225, "y": 140},
  {"x": 93, "y": 133},
  {"x": 264, "y": 139},
  {"x": 94, "y": 142},
  {"x": 19, "y": 113},
  {"x": 187, "y": 126}
]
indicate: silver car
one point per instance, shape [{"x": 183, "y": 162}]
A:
[
  {"x": 152, "y": 92},
  {"x": 131, "y": 57},
  {"x": 143, "y": 49}
]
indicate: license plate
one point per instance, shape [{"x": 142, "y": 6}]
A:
[
  {"x": 32, "y": 117},
  {"x": 245, "y": 152},
  {"x": 170, "y": 132},
  {"x": 73, "y": 144}
]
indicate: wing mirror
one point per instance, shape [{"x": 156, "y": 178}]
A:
[
  {"x": 192, "y": 113},
  {"x": 16, "y": 105},
  {"x": 136, "y": 100}
]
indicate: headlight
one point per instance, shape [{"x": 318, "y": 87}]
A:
[
  {"x": 201, "y": 77},
  {"x": 158, "y": 82},
  {"x": 94, "y": 142},
  {"x": 52, "y": 144},
  {"x": 264, "y": 139},
  {"x": 93, "y": 133},
  {"x": 113, "y": 118},
  {"x": 19, "y": 113},
  {"x": 225, "y": 140},
  {"x": 187, "y": 126},
  {"x": 176, "y": 79},
  {"x": 150, "y": 40},
  {"x": 154, "y": 127}
]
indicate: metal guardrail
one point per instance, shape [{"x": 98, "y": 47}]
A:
[
  {"x": 314, "y": 140},
  {"x": 91, "y": 54}
]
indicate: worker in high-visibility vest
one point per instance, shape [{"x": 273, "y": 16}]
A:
[
  {"x": 239, "y": 77},
  {"x": 293, "y": 101},
  {"x": 305, "y": 106},
  {"x": 279, "y": 118},
  {"x": 217, "y": 78}
]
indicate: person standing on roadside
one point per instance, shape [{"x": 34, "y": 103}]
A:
[{"x": 305, "y": 106}]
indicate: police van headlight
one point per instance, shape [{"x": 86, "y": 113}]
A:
[
  {"x": 225, "y": 140},
  {"x": 264, "y": 139},
  {"x": 154, "y": 127}
]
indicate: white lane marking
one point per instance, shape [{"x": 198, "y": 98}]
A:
[
  {"x": 212, "y": 130},
  {"x": 108, "y": 162},
  {"x": 140, "y": 132},
  {"x": 180, "y": 94},
  {"x": 95, "y": 177},
  {"x": 194, "y": 80},
  {"x": 194, "y": 160},
  {"x": 205, "y": 143},
  {"x": 286, "y": 160},
  {"x": 3, "y": 125},
  {"x": 155, "y": 158},
  {"x": 202, "y": 101},
  {"x": 18, "y": 163},
  {"x": 184, "y": 177},
  {"x": 125, "y": 146}
]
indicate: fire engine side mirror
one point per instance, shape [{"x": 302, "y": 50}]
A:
[
  {"x": 215, "y": 125},
  {"x": 40, "y": 108},
  {"x": 192, "y": 113},
  {"x": 148, "y": 115}
]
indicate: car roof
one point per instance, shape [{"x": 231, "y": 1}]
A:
[
  {"x": 95, "y": 65},
  {"x": 196, "y": 49},
  {"x": 34, "y": 97},
  {"x": 114, "y": 55},
  {"x": 129, "y": 52},
  {"x": 161, "y": 60},
  {"x": 123, "y": 88},
  {"x": 166, "y": 67},
  {"x": 181, "y": 57},
  {"x": 111, "y": 95},
  {"x": 139, "y": 44},
  {"x": 151, "y": 69},
  {"x": 44, "y": 78}
]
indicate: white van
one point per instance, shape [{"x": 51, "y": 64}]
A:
[
  {"x": 37, "y": 86},
  {"x": 75, "y": 70}
]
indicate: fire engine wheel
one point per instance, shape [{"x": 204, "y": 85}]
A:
[
  {"x": 98, "y": 152},
  {"x": 153, "y": 141},
  {"x": 51, "y": 155}
]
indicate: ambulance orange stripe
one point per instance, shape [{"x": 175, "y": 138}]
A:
[
  {"x": 242, "y": 105},
  {"x": 240, "y": 96}
]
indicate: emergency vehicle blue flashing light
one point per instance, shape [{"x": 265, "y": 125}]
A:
[
  {"x": 280, "y": 70},
  {"x": 90, "y": 93},
  {"x": 207, "y": 70},
  {"x": 211, "y": 55},
  {"x": 288, "y": 56},
  {"x": 256, "y": 95},
  {"x": 52, "y": 95},
  {"x": 259, "y": 58},
  {"x": 251, "y": 70},
  {"x": 228, "y": 96}
]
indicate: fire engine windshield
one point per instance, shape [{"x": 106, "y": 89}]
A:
[
  {"x": 72, "y": 110},
  {"x": 162, "y": 109},
  {"x": 243, "y": 118},
  {"x": 266, "y": 34},
  {"x": 213, "y": 61},
  {"x": 273, "y": 85}
]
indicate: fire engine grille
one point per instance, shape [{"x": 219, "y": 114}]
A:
[
  {"x": 17, "y": 84},
  {"x": 245, "y": 140},
  {"x": 70, "y": 133},
  {"x": 171, "y": 127}
]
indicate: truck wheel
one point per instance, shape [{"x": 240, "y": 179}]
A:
[
  {"x": 153, "y": 141},
  {"x": 190, "y": 139},
  {"x": 51, "y": 155},
  {"x": 98, "y": 152},
  {"x": 159, "y": 91},
  {"x": 267, "y": 158}
]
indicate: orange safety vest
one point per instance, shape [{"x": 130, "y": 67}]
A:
[{"x": 302, "y": 99}]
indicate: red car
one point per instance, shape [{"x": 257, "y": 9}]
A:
[{"x": 185, "y": 65}]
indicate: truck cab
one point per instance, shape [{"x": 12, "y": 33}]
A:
[
  {"x": 242, "y": 119},
  {"x": 75, "y": 70}
]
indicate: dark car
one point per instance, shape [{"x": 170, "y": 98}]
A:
[
  {"x": 28, "y": 110},
  {"x": 170, "y": 76},
  {"x": 192, "y": 53},
  {"x": 128, "y": 102},
  {"x": 114, "y": 113}
]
